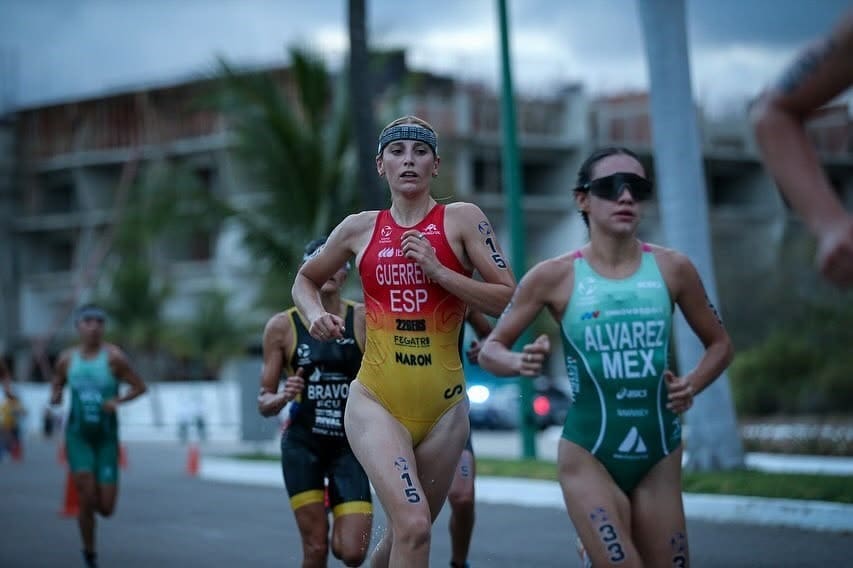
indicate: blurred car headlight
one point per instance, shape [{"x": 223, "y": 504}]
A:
[{"x": 478, "y": 394}]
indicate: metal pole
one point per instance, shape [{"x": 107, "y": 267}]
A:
[
  {"x": 713, "y": 441},
  {"x": 513, "y": 189}
]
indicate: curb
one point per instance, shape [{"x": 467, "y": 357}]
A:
[{"x": 795, "y": 513}]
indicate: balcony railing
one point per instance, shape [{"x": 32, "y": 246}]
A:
[{"x": 120, "y": 122}]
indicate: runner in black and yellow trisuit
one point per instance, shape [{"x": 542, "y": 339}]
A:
[{"x": 314, "y": 447}]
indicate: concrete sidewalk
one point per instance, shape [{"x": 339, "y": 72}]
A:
[
  {"x": 494, "y": 444},
  {"x": 812, "y": 515}
]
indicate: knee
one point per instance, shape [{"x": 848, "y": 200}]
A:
[
  {"x": 413, "y": 530},
  {"x": 106, "y": 503},
  {"x": 351, "y": 556},
  {"x": 461, "y": 501},
  {"x": 88, "y": 499},
  {"x": 315, "y": 550}
]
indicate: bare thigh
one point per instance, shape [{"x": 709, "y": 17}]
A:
[
  {"x": 384, "y": 449},
  {"x": 409, "y": 482},
  {"x": 599, "y": 510},
  {"x": 438, "y": 455},
  {"x": 87, "y": 488},
  {"x": 660, "y": 530}
]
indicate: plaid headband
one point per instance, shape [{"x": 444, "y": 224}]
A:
[
  {"x": 408, "y": 132},
  {"x": 90, "y": 312}
]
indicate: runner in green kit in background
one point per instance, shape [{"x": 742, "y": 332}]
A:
[{"x": 93, "y": 371}]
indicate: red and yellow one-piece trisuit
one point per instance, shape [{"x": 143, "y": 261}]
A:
[{"x": 411, "y": 359}]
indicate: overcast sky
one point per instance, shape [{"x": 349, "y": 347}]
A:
[{"x": 53, "y": 50}]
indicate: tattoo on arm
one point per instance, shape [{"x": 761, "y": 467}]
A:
[
  {"x": 713, "y": 309},
  {"x": 804, "y": 67},
  {"x": 486, "y": 230},
  {"x": 497, "y": 257},
  {"x": 507, "y": 308}
]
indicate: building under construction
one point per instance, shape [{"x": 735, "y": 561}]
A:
[{"x": 65, "y": 169}]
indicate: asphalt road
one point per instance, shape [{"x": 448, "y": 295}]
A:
[{"x": 166, "y": 518}]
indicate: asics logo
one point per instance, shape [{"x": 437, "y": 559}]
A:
[{"x": 631, "y": 393}]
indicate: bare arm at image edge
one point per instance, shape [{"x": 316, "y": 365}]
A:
[{"x": 820, "y": 73}]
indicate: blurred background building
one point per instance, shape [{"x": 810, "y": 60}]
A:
[{"x": 61, "y": 168}]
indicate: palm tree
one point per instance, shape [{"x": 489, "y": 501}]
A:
[
  {"x": 214, "y": 334},
  {"x": 297, "y": 151},
  {"x": 135, "y": 299},
  {"x": 137, "y": 285},
  {"x": 713, "y": 442}
]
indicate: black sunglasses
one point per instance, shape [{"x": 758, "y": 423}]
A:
[{"x": 611, "y": 187}]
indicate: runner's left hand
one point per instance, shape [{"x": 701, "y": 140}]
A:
[
  {"x": 532, "y": 357},
  {"x": 680, "y": 397},
  {"x": 327, "y": 327}
]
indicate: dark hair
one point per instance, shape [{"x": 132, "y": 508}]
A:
[
  {"x": 585, "y": 171},
  {"x": 313, "y": 246}
]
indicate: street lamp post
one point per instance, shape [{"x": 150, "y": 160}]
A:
[{"x": 513, "y": 190}]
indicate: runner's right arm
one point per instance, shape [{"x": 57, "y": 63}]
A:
[
  {"x": 277, "y": 342},
  {"x": 60, "y": 377},
  {"x": 530, "y": 296},
  {"x": 349, "y": 237}
]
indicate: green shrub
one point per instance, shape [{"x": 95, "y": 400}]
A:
[
  {"x": 803, "y": 367},
  {"x": 771, "y": 377},
  {"x": 834, "y": 385}
]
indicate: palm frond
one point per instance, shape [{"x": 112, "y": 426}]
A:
[{"x": 294, "y": 142}]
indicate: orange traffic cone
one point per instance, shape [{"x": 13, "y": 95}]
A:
[
  {"x": 17, "y": 451},
  {"x": 192, "y": 460},
  {"x": 70, "y": 506},
  {"x": 122, "y": 457}
]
